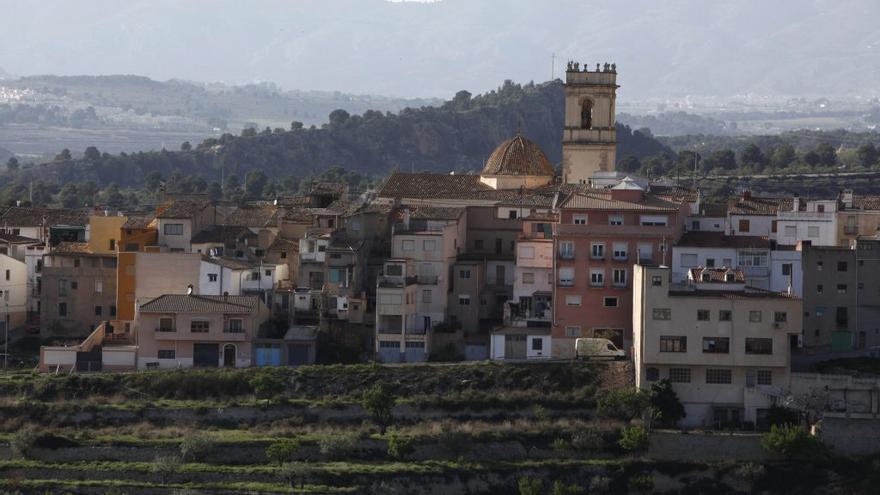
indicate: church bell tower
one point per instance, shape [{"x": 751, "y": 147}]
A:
[{"x": 589, "y": 141}]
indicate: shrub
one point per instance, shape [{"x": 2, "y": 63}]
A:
[
  {"x": 293, "y": 471},
  {"x": 600, "y": 484},
  {"x": 633, "y": 439},
  {"x": 338, "y": 446},
  {"x": 379, "y": 401},
  {"x": 641, "y": 483},
  {"x": 792, "y": 442},
  {"x": 778, "y": 415},
  {"x": 165, "y": 466},
  {"x": 560, "y": 445},
  {"x": 399, "y": 447},
  {"x": 22, "y": 441},
  {"x": 195, "y": 448},
  {"x": 622, "y": 403},
  {"x": 530, "y": 486},
  {"x": 267, "y": 386},
  {"x": 667, "y": 409},
  {"x": 540, "y": 412},
  {"x": 455, "y": 443},
  {"x": 282, "y": 451},
  {"x": 560, "y": 488},
  {"x": 751, "y": 471},
  {"x": 588, "y": 440}
]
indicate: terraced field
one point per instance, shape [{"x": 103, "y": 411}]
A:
[{"x": 452, "y": 429}]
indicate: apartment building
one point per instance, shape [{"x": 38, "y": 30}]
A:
[
  {"x": 176, "y": 330},
  {"x": 47, "y": 225},
  {"x": 755, "y": 216},
  {"x": 601, "y": 235},
  {"x": 180, "y": 220},
  {"x": 813, "y": 220},
  {"x": 724, "y": 346},
  {"x": 857, "y": 216},
  {"x": 831, "y": 284}
]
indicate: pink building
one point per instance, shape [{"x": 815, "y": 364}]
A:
[{"x": 602, "y": 233}]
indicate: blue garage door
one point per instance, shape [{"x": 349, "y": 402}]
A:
[
  {"x": 268, "y": 355},
  {"x": 389, "y": 351},
  {"x": 415, "y": 352}
]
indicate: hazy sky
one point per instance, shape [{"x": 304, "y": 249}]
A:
[{"x": 662, "y": 48}]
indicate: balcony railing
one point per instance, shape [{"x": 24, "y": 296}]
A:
[
  {"x": 166, "y": 329},
  {"x": 566, "y": 255},
  {"x": 427, "y": 279},
  {"x": 398, "y": 282},
  {"x": 566, "y": 283},
  {"x": 416, "y": 331},
  {"x": 851, "y": 230},
  {"x": 233, "y": 330}
]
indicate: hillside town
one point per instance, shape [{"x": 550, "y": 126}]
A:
[{"x": 516, "y": 263}]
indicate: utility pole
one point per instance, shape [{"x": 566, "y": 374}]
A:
[{"x": 552, "y": 65}]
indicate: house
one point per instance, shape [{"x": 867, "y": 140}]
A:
[
  {"x": 601, "y": 235},
  {"x": 180, "y": 220},
  {"x": 296, "y": 347},
  {"x": 708, "y": 217},
  {"x": 857, "y": 215},
  {"x": 184, "y": 331},
  {"x": 724, "y": 346},
  {"x": 29, "y": 253},
  {"x": 399, "y": 336},
  {"x": 750, "y": 254},
  {"x": 13, "y": 291},
  {"x": 814, "y": 221},
  {"x": 48, "y": 225},
  {"x": 755, "y": 216}
]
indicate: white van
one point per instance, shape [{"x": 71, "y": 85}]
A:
[{"x": 590, "y": 348}]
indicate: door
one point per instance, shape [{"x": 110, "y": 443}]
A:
[
  {"x": 268, "y": 355},
  {"x": 206, "y": 355},
  {"x": 514, "y": 347},
  {"x": 297, "y": 354},
  {"x": 499, "y": 274},
  {"x": 415, "y": 352},
  {"x": 229, "y": 356}
]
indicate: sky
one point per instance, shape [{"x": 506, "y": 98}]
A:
[{"x": 669, "y": 48}]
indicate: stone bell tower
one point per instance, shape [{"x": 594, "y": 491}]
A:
[{"x": 589, "y": 141}]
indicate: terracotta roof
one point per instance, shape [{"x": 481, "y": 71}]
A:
[
  {"x": 231, "y": 263},
  {"x": 72, "y": 248},
  {"x": 674, "y": 193},
  {"x": 716, "y": 275},
  {"x": 711, "y": 210},
  {"x": 282, "y": 244},
  {"x": 435, "y": 213},
  {"x": 720, "y": 240},
  {"x": 138, "y": 222},
  {"x": 866, "y": 202},
  {"x": 299, "y": 215},
  {"x": 518, "y": 156},
  {"x": 34, "y": 217},
  {"x": 177, "y": 303},
  {"x": 601, "y": 199},
  {"x": 184, "y": 208},
  {"x": 227, "y": 234},
  {"x": 17, "y": 239},
  {"x": 253, "y": 216},
  {"x": 758, "y": 206},
  {"x": 427, "y": 185}
]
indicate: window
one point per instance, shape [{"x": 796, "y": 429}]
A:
[
  {"x": 478, "y": 244},
  {"x": 572, "y": 331},
  {"x": 99, "y": 286},
  {"x": 408, "y": 245},
  {"x": 235, "y": 325},
  {"x": 267, "y": 273},
  {"x": 283, "y": 254},
  {"x": 710, "y": 262},
  {"x": 566, "y": 249},
  {"x": 842, "y": 316},
  {"x": 755, "y": 316},
  {"x": 716, "y": 345},
  {"x": 62, "y": 309},
  {"x": 725, "y": 315},
  {"x": 98, "y": 310},
  {"x": 511, "y": 214},
  {"x": 464, "y": 300},
  {"x": 688, "y": 260},
  {"x": 74, "y": 285},
  {"x": 173, "y": 229},
  {"x": 597, "y": 277},
  {"x": 335, "y": 275},
  {"x": 759, "y": 346},
  {"x": 573, "y": 300},
  {"x": 165, "y": 354},
  {"x": 597, "y": 250},
  {"x": 819, "y": 288},
  {"x": 427, "y": 296},
  {"x": 656, "y": 281},
  {"x": 429, "y": 245},
  {"x": 615, "y": 219},
  {"x": 212, "y": 277},
  {"x": 820, "y": 208},
  {"x": 390, "y": 299},
  {"x": 786, "y": 268},
  {"x": 743, "y": 225},
  {"x": 620, "y": 249},
  {"x": 673, "y": 344},
  {"x": 813, "y": 231},
  {"x": 702, "y": 315},
  {"x": 255, "y": 275},
  {"x": 753, "y": 258},
  {"x": 620, "y": 277},
  {"x": 780, "y": 317},
  {"x": 566, "y": 276},
  {"x": 680, "y": 375},
  {"x": 841, "y": 288},
  {"x": 610, "y": 302},
  {"x": 652, "y": 374},
  {"x": 537, "y": 344},
  {"x": 662, "y": 314},
  {"x": 527, "y": 252},
  {"x": 76, "y": 262},
  {"x": 653, "y": 220},
  {"x": 718, "y": 376},
  {"x": 259, "y": 252},
  {"x": 790, "y": 231},
  {"x": 464, "y": 274},
  {"x": 166, "y": 325},
  {"x": 841, "y": 266},
  {"x": 199, "y": 326},
  {"x": 8, "y": 274},
  {"x": 112, "y": 310},
  {"x": 765, "y": 377},
  {"x": 528, "y": 278},
  {"x": 579, "y": 220}
]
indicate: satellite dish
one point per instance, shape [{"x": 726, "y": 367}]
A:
[{"x": 189, "y": 290}]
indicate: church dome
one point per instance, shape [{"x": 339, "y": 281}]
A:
[{"x": 518, "y": 156}]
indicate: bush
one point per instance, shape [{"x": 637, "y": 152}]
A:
[
  {"x": 530, "y": 486},
  {"x": 267, "y": 385},
  {"x": 793, "y": 442},
  {"x": 338, "y": 446},
  {"x": 22, "y": 441},
  {"x": 622, "y": 403},
  {"x": 588, "y": 440},
  {"x": 560, "y": 488},
  {"x": 293, "y": 472},
  {"x": 165, "y": 466},
  {"x": 667, "y": 408},
  {"x": 282, "y": 451},
  {"x": 751, "y": 471},
  {"x": 196, "y": 447},
  {"x": 379, "y": 402},
  {"x": 641, "y": 483},
  {"x": 633, "y": 439},
  {"x": 600, "y": 484},
  {"x": 399, "y": 447},
  {"x": 560, "y": 445}
]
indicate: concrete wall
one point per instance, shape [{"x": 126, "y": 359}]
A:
[{"x": 705, "y": 447}]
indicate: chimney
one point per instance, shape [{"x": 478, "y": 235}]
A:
[
  {"x": 225, "y": 296},
  {"x": 796, "y": 203},
  {"x": 847, "y": 198}
]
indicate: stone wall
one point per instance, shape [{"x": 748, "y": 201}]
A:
[{"x": 705, "y": 447}]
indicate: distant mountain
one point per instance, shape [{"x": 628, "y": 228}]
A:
[
  {"x": 4, "y": 74},
  {"x": 456, "y": 136},
  {"x": 5, "y": 154}
]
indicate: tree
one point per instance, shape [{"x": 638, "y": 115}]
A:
[
  {"x": 282, "y": 451},
  {"x": 111, "y": 195},
  {"x": 215, "y": 191},
  {"x": 92, "y": 154},
  {"x": 12, "y": 164},
  {"x": 267, "y": 386},
  {"x": 629, "y": 164},
  {"x": 633, "y": 439},
  {"x": 827, "y": 154},
  {"x": 296, "y": 125},
  {"x": 752, "y": 156},
  {"x": 399, "y": 447},
  {"x": 63, "y": 156},
  {"x": 622, "y": 403},
  {"x": 196, "y": 447},
  {"x": 153, "y": 180},
  {"x": 867, "y": 153},
  {"x": 793, "y": 442},
  {"x": 68, "y": 196},
  {"x": 668, "y": 409},
  {"x": 530, "y": 486},
  {"x": 379, "y": 402},
  {"x": 293, "y": 471},
  {"x": 232, "y": 188},
  {"x": 338, "y": 118},
  {"x": 724, "y": 159},
  {"x": 561, "y": 488},
  {"x": 185, "y": 146},
  {"x": 783, "y": 156},
  {"x": 255, "y": 183}
]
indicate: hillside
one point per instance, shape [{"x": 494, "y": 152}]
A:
[{"x": 457, "y": 135}]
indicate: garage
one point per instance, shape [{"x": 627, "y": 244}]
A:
[{"x": 206, "y": 355}]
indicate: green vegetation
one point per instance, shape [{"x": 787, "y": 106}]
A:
[
  {"x": 622, "y": 403},
  {"x": 379, "y": 402},
  {"x": 196, "y": 447},
  {"x": 633, "y": 439},
  {"x": 667, "y": 409},
  {"x": 793, "y": 442},
  {"x": 282, "y": 451},
  {"x": 399, "y": 447}
]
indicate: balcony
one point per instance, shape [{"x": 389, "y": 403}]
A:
[
  {"x": 416, "y": 331},
  {"x": 806, "y": 215},
  {"x": 566, "y": 283},
  {"x": 165, "y": 329},
  {"x": 215, "y": 336},
  {"x": 566, "y": 255},
  {"x": 234, "y": 330},
  {"x": 427, "y": 279},
  {"x": 384, "y": 281},
  {"x": 755, "y": 271},
  {"x": 645, "y": 231},
  {"x": 851, "y": 230}
]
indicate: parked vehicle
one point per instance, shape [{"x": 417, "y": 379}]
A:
[{"x": 593, "y": 348}]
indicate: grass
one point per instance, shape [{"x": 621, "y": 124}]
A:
[{"x": 226, "y": 486}]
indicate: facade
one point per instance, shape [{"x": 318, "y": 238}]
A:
[
  {"x": 750, "y": 254},
  {"x": 725, "y": 347},
  {"x": 830, "y": 297},
  {"x": 755, "y": 216},
  {"x": 178, "y": 222},
  {"x": 601, "y": 235},
  {"x": 814, "y": 221},
  {"x": 589, "y": 139},
  {"x": 13, "y": 291},
  {"x": 857, "y": 216},
  {"x": 184, "y": 331}
]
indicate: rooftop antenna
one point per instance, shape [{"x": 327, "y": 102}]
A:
[{"x": 552, "y": 65}]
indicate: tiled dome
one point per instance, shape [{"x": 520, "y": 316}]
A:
[{"x": 518, "y": 156}]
